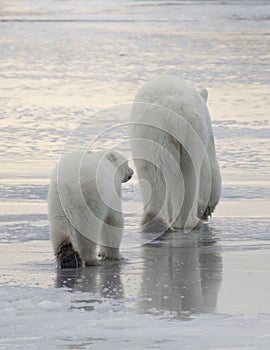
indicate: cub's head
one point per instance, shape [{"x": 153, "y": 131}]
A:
[
  {"x": 123, "y": 171},
  {"x": 204, "y": 94}
]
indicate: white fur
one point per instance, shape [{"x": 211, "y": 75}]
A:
[
  {"x": 84, "y": 203},
  {"x": 173, "y": 147}
]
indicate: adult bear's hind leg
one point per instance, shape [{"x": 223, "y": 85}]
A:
[
  {"x": 152, "y": 223},
  {"x": 153, "y": 192}
]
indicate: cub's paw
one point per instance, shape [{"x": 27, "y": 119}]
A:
[
  {"x": 67, "y": 258},
  {"x": 93, "y": 262},
  {"x": 108, "y": 253}
]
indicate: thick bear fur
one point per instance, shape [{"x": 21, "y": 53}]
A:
[
  {"x": 174, "y": 151},
  {"x": 84, "y": 205}
]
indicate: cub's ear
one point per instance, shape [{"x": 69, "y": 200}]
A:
[
  {"x": 111, "y": 156},
  {"x": 204, "y": 94}
]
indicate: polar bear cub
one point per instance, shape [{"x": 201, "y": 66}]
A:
[
  {"x": 84, "y": 204},
  {"x": 174, "y": 152}
]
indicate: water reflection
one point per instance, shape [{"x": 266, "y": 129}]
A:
[
  {"x": 104, "y": 280},
  {"x": 179, "y": 273},
  {"x": 182, "y": 272}
]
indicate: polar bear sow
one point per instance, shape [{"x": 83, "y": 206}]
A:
[
  {"x": 174, "y": 152},
  {"x": 84, "y": 205}
]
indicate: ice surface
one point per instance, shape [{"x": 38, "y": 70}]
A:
[
  {"x": 69, "y": 72},
  {"x": 54, "y": 319}
]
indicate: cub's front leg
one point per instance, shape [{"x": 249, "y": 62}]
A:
[{"x": 111, "y": 236}]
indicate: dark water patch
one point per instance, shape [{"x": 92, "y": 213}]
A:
[
  {"x": 242, "y": 233},
  {"x": 245, "y": 192},
  {"x": 23, "y": 228},
  {"x": 24, "y": 191}
]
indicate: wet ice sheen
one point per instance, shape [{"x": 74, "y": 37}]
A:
[{"x": 61, "y": 61}]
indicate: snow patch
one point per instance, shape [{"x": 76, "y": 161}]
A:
[{"x": 50, "y": 318}]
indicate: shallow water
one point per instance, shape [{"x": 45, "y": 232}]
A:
[{"x": 69, "y": 72}]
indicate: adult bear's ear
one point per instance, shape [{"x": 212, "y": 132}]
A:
[
  {"x": 111, "y": 156},
  {"x": 204, "y": 94}
]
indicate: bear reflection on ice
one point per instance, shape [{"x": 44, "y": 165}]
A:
[
  {"x": 173, "y": 147},
  {"x": 85, "y": 208}
]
